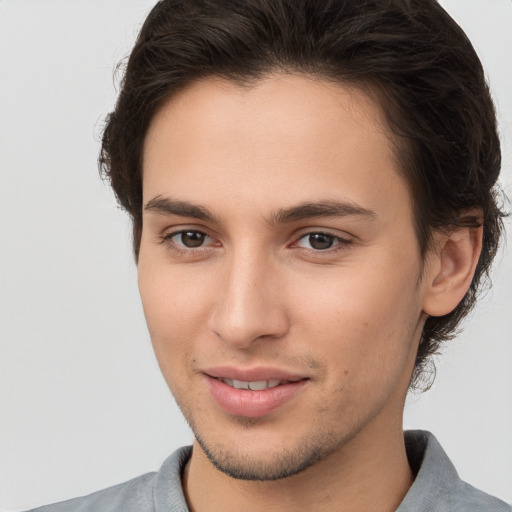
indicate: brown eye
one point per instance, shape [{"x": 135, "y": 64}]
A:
[
  {"x": 320, "y": 241},
  {"x": 186, "y": 239},
  {"x": 192, "y": 239}
]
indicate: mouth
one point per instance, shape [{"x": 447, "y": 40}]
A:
[
  {"x": 253, "y": 393},
  {"x": 256, "y": 385}
]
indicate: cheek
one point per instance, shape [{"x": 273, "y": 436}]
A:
[
  {"x": 363, "y": 322},
  {"x": 174, "y": 313},
  {"x": 356, "y": 300}
]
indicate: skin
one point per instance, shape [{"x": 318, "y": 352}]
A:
[{"x": 255, "y": 292}]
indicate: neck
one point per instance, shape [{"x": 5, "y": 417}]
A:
[{"x": 370, "y": 472}]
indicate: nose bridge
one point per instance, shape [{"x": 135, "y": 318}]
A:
[{"x": 248, "y": 305}]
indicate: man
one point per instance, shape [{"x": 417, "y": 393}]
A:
[{"x": 312, "y": 191}]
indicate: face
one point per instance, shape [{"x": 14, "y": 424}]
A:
[{"x": 279, "y": 270}]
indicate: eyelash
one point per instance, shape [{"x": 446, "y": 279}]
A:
[
  {"x": 180, "y": 249},
  {"x": 339, "y": 243}
]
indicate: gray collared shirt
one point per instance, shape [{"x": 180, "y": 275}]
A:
[{"x": 436, "y": 488}]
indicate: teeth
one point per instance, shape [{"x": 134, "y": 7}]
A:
[
  {"x": 257, "y": 385},
  {"x": 240, "y": 384}
]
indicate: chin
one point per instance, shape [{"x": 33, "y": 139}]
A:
[{"x": 267, "y": 461}]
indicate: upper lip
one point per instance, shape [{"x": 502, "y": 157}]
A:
[{"x": 252, "y": 374}]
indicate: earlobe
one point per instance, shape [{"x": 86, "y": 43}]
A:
[{"x": 451, "y": 269}]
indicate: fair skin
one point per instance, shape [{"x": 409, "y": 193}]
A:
[{"x": 278, "y": 249}]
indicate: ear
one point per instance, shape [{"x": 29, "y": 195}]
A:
[{"x": 450, "y": 269}]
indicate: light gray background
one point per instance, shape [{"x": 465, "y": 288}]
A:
[{"x": 82, "y": 403}]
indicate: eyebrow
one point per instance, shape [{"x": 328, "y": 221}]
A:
[
  {"x": 328, "y": 208},
  {"x": 306, "y": 210},
  {"x": 168, "y": 206}
]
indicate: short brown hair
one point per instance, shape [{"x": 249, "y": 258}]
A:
[{"x": 409, "y": 53}]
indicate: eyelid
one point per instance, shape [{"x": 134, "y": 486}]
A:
[
  {"x": 343, "y": 240},
  {"x": 324, "y": 231},
  {"x": 169, "y": 231},
  {"x": 168, "y": 234}
]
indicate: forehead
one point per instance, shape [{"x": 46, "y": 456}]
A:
[{"x": 289, "y": 138}]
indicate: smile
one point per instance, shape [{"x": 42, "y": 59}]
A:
[
  {"x": 257, "y": 385},
  {"x": 253, "y": 398}
]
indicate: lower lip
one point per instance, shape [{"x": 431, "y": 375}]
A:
[{"x": 252, "y": 404}]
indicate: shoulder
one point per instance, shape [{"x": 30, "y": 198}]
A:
[
  {"x": 146, "y": 493},
  {"x": 437, "y": 486},
  {"x": 136, "y": 494}
]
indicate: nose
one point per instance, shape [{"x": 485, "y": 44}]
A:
[{"x": 249, "y": 303}]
